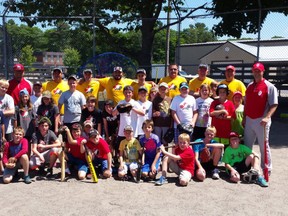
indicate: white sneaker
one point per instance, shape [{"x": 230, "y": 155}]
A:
[
  {"x": 215, "y": 174},
  {"x": 67, "y": 171}
]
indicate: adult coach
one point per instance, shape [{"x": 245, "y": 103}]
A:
[
  {"x": 261, "y": 102},
  {"x": 56, "y": 86},
  {"x": 18, "y": 83},
  {"x": 194, "y": 84},
  {"x": 114, "y": 85},
  {"x": 232, "y": 83},
  {"x": 90, "y": 87}
]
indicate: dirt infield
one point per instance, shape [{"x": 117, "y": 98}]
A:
[{"x": 111, "y": 197}]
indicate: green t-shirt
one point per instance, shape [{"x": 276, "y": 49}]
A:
[{"x": 234, "y": 155}]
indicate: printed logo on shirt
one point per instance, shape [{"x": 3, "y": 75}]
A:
[
  {"x": 57, "y": 91},
  {"x": 89, "y": 89},
  {"x": 24, "y": 113},
  {"x": 45, "y": 113},
  {"x": 172, "y": 87},
  {"x": 259, "y": 93},
  {"x": 117, "y": 87}
]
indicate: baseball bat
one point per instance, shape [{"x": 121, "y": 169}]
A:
[
  {"x": 62, "y": 164},
  {"x": 191, "y": 143},
  {"x": 90, "y": 164},
  {"x": 265, "y": 171}
]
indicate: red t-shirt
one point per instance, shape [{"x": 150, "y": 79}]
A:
[
  {"x": 187, "y": 159},
  {"x": 223, "y": 126},
  {"x": 15, "y": 150},
  {"x": 101, "y": 149},
  {"x": 15, "y": 87},
  {"x": 75, "y": 149}
]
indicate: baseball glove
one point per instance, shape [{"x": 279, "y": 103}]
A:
[
  {"x": 204, "y": 155},
  {"x": 169, "y": 135},
  {"x": 124, "y": 108},
  {"x": 185, "y": 128},
  {"x": 219, "y": 107}
]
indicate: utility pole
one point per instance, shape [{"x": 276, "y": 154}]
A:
[
  {"x": 167, "y": 38},
  {"x": 94, "y": 37},
  {"x": 5, "y": 64},
  {"x": 259, "y": 29}
]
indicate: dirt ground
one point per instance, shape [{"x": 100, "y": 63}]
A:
[{"x": 111, "y": 197}]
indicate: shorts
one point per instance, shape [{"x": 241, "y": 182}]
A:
[
  {"x": 208, "y": 166},
  {"x": 34, "y": 160},
  {"x": 241, "y": 167},
  {"x": 183, "y": 174},
  {"x": 132, "y": 166},
  {"x": 103, "y": 163},
  {"x": 12, "y": 171},
  {"x": 81, "y": 165},
  {"x": 146, "y": 168}
]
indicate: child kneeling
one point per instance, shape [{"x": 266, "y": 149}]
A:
[{"x": 181, "y": 163}]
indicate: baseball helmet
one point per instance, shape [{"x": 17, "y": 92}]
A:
[
  {"x": 222, "y": 86},
  {"x": 18, "y": 67}
]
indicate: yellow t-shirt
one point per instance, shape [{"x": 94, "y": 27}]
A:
[
  {"x": 233, "y": 86},
  {"x": 114, "y": 88},
  {"x": 130, "y": 149},
  {"x": 56, "y": 90},
  {"x": 136, "y": 87},
  {"x": 194, "y": 84},
  {"x": 89, "y": 88},
  {"x": 173, "y": 84}
]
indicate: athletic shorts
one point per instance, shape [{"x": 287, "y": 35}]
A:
[
  {"x": 146, "y": 168},
  {"x": 183, "y": 174},
  {"x": 103, "y": 163},
  {"x": 131, "y": 166},
  {"x": 81, "y": 165},
  {"x": 241, "y": 167},
  {"x": 12, "y": 171}
]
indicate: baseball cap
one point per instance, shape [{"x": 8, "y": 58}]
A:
[
  {"x": 230, "y": 67},
  {"x": 222, "y": 86},
  {"x": 238, "y": 93},
  {"x": 45, "y": 120},
  {"x": 46, "y": 94},
  {"x": 24, "y": 92},
  {"x": 142, "y": 88},
  {"x": 88, "y": 122},
  {"x": 57, "y": 69},
  {"x": 233, "y": 134},
  {"x": 18, "y": 67},
  {"x": 203, "y": 66},
  {"x": 154, "y": 89},
  {"x": 72, "y": 77},
  {"x": 87, "y": 70},
  {"x": 164, "y": 84},
  {"x": 118, "y": 69},
  {"x": 37, "y": 83},
  {"x": 93, "y": 133},
  {"x": 183, "y": 85},
  {"x": 128, "y": 128},
  {"x": 109, "y": 102},
  {"x": 258, "y": 66},
  {"x": 141, "y": 70},
  {"x": 130, "y": 88}
]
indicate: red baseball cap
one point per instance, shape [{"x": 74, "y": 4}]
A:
[
  {"x": 258, "y": 66},
  {"x": 233, "y": 134},
  {"x": 18, "y": 67},
  {"x": 230, "y": 67},
  {"x": 238, "y": 93}
]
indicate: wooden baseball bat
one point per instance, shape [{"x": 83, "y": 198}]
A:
[
  {"x": 265, "y": 171},
  {"x": 62, "y": 163},
  {"x": 191, "y": 143},
  {"x": 90, "y": 164}
]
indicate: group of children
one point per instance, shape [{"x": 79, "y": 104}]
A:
[{"x": 134, "y": 145}]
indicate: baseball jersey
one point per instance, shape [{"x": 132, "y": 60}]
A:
[
  {"x": 15, "y": 87},
  {"x": 173, "y": 85},
  {"x": 264, "y": 94},
  {"x": 56, "y": 90}
]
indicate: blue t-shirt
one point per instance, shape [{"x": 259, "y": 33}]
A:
[
  {"x": 199, "y": 147},
  {"x": 151, "y": 146}
]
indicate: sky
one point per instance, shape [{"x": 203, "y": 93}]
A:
[{"x": 276, "y": 24}]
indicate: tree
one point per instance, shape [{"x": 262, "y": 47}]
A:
[
  {"x": 27, "y": 57},
  {"x": 71, "y": 60},
  {"x": 197, "y": 33},
  {"x": 138, "y": 15},
  {"x": 237, "y": 16}
]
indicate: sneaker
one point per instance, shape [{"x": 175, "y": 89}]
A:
[
  {"x": 67, "y": 171},
  {"x": 215, "y": 174},
  {"x": 50, "y": 172},
  {"x": 161, "y": 181},
  {"x": 251, "y": 176},
  {"x": 27, "y": 179},
  {"x": 261, "y": 181}
]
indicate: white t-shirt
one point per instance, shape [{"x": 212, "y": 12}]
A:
[
  {"x": 203, "y": 106},
  {"x": 36, "y": 101},
  {"x": 147, "y": 108},
  {"x": 130, "y": 118},
  {"x": 184, "y": 108},
  {"x": 7, "y": 103}
]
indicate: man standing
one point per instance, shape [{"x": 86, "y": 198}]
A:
[
  {"x": 194, "y": 84},
  {"x": 141, "y": 77},
  {"x": 261, "y": 102},
  {"x": 114, "y": 85},
  {"x": 232, "y": 83},
  {"x": 89, "y": 87},
  {"x": 173, "y": 81},
  {"x": 56, "y": 86},
  {"x": 18, "y": 83}
]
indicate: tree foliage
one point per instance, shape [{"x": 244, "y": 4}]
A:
[
  {"x": 27, "y": 57},
  {"x": 71, "y": 60}
]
